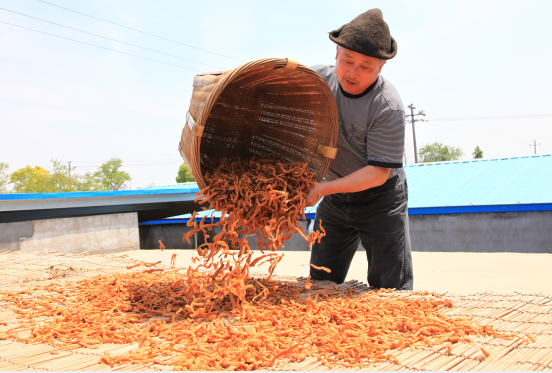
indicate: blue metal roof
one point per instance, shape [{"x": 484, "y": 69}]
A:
[
  {"x": 475, "y": 186},
  {"x": 481, "y": 182},
  {"x": 149, "y": 203}
]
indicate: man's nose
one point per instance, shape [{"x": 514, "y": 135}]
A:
[{"x": 353, "y": 72}]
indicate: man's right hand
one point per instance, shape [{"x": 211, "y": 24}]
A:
[{"x": 314, "y": 193}]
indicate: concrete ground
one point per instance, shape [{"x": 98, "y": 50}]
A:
[{"x": 456, "y": 273}]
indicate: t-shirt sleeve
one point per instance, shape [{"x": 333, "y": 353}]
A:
[
  {"x": 385, "y": 140},
  {"x": 324, "y": 70}
]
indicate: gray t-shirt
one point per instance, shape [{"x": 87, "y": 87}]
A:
[{"x": 371, "y": 127}]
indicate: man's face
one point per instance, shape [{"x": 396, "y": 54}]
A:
[{"x": 356, "y": 72}]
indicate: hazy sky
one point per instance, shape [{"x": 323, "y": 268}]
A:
[{"x": 456, "y": 60}]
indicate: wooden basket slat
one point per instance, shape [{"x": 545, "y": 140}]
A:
[
  {"x": 202, "y": 80},
  {"x": 283, "y": 105},
  {"x": 251, "y": 74},
  {"x": 279, "y": 78},
  {"x": 263, "y": 144},
  {"x": 301, "y": 122}
]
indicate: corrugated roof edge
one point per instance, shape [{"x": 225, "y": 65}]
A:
[
  {"x": 184, "y": 220},
  {"x": 165, "y": 189},
  {"x": 474, "y": 160},
  {"x": 475, "y": 209},
  {"x": 438, "y": 210}
]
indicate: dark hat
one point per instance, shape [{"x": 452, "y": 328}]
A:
[{"x": 367, "y": 34}]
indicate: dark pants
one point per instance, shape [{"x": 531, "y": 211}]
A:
[{"x": 378, "y": 218}]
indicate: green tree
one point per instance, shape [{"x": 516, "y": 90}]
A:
[
  {"x": 477, "y": 153},
  {"x": 184, "y": 174},
  {"x": 39, "y": 180},
  {"x": 4, "y": 178},
  {"x": 88, "y": 183},
  {"x": 30, "y": 180},
  {"x": 109, "y": 175},
  {"x": 60, "y": 180},
  {"x": 437, "y": 152}
]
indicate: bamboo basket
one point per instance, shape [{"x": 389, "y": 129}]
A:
[{"x": 266, "y": 106}]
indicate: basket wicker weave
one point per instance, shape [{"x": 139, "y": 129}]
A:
[{"x": 266, "y": 106}]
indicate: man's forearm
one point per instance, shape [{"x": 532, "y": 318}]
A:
[{"x": 365, "y": 178}]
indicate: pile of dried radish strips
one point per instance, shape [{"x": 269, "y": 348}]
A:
[{"x": 214, "y": 315}]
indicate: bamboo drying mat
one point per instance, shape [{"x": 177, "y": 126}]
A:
[{"x": 514, "y": 313}]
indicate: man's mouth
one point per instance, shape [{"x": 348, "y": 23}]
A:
[{"x": 349, "y": 82}]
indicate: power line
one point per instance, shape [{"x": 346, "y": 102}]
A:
[
  {"x": 536, "y": 116},
  {"x": 137, "y": 165},
  {"x": 143, "y": 160},
  {"x": 484, "y": 134},
  {"x": 473, "y": 131},
  {"x": 97, "y": 46},
  {"x": 143, "y": 163},
  {"x": 477, "y": 131},
  {"x": 105, "y": 37},
  {"x": 143, "y": 32},
  {"x": 154, "y": 163}
]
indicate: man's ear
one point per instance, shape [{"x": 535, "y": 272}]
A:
[
  {"x": 381, "y": 65},
  {"x": 336, "y": 51}
]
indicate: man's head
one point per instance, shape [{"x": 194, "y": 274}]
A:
[
  {"x": 356, "y": 72},
  {"x": 363, "y": 44}
]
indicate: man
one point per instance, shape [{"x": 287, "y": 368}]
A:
[{"x": 365, "y": 193}]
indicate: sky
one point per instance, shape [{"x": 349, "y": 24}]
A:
[{"x": 480, "y": 70}]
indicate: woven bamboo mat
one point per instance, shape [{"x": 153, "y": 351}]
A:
[{"x": 513, "y": 313}]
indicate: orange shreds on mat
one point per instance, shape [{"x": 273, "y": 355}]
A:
[
  {"x": 485, "y": 352},
  {"x": 308, "y": 284},
  {"x": 161, "y": 246},
  {"x": 214, "y": 315},
  {"x": 144, "y": 264},
  {"x": 161, "y": 313}
]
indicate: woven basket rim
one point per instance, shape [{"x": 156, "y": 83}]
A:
[{"x": 228, "y": 77}]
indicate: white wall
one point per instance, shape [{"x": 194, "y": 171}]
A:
[{"x": 98, "y": 234}]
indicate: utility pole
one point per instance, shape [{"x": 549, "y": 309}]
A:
[
  {"x": 70, "y": 169},
  {"x": 534, "y": 145},
  {"x": 412, "y": 120}
]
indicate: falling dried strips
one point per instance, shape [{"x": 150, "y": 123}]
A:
[
  {"x": 173, "y": 260},
  {"x": 321, "y": 268}
]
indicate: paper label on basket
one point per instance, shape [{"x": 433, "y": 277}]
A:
[{"x": 190, "y": 121}]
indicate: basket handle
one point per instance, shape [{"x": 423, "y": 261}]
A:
[
  {"x": 195, "y": 128},
  {"x": 323, "y": 150},
  {"x": 326, "y": 151},
  {"x": 291, "y": 64}
]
